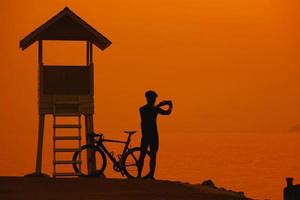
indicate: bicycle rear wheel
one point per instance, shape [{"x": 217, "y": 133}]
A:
[
  {"x": 131, "y": 160},
  {"x": 99, "y": 157}
]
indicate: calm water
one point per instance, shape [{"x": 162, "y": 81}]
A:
[{"x": 256, "y": 163}]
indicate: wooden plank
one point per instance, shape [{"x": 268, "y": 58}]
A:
[
  {"x": 66, "y": 108},
  {"x": 65, "y": 162},
  {"x": 66, "y": 138},
  {"x": 66, "y": 102},
  {"x": 66, "y": 97},
  {"x": 85, "y": 106},
  {"x": 66, "y": 149},
  {"x": 65, "y": 66},
  {"x": 66, "y": 126},
  {"x": 67, "y": 115},
  {"x": 49, "y": 111}
]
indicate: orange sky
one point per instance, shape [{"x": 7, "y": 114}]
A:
[{"x": 227, "y": 65}]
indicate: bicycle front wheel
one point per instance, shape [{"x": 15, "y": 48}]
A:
[
  {"x": 100, "y": 159},
  {"x": 131, "y": 161}
]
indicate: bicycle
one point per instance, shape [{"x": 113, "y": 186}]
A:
[{"x": 126, "y": 163}]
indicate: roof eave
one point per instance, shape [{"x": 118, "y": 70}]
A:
[{"x": 98, "y": 39}]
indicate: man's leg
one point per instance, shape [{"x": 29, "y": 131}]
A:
[
  {"x": 153, "y": 152},
  {"x": 152, "y": 163}
]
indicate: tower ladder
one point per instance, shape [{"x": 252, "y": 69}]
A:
[{"x": 57, "y": 149}]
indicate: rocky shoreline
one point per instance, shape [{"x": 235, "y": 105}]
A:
[{"x": 96, "y": 188}]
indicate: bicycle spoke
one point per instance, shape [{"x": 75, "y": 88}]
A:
[
  {"x": 131, "y": 165},
  {"x": 136, "y": 160}
]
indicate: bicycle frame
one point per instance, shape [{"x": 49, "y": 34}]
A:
[{"x": 99, "y": 144}]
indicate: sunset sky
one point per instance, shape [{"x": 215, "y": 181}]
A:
[{"x": 228, "y": 66}]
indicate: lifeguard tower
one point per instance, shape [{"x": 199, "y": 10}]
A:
[{"x": 65, "y": 91}]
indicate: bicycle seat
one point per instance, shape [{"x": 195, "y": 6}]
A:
[{"x": 130, "y": 132}]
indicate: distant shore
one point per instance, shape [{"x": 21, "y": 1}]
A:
[{"x": 106, "y": 189}]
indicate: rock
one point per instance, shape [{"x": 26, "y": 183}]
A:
[
  {"x": 208, "y": 183},
  {"x": 241, "y": 193}
]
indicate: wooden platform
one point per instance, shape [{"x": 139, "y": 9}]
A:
[{"x": 66, "y": 104}]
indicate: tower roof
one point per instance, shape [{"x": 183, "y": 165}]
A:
[{"x": 66, "y": 25}]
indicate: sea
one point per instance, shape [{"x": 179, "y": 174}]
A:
[{"x": 254, "y": 163}]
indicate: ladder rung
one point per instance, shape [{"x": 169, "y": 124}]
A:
[
  {"x": 57, "y": 162},
  {"x": 66, "y": 102},
  {"x": 66, "y": 137},
  {"x": 67, "y": 115},
  {"x": 66, "y": 150},
  {"x": 66, "y": 174},
  {"x": 66, "y": 126}
]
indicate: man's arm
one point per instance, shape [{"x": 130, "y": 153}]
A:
[{"x": 162, "y": 111}]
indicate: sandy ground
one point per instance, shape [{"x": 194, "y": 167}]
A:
[{"x": 97, "y": 188}]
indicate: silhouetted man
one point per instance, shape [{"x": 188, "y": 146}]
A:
[{"x": 148, "y": 115}]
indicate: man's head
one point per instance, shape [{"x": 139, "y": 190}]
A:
[{"x": 151, "y": 97}]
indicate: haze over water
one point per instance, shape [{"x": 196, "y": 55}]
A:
[
  {"x": 238, "y": 161},
  {"x": 256, "y": 163}
]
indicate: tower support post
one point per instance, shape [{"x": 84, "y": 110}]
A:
[
  {"x": 91, "y": 161},
  {"x": 39, "y": 155}
]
